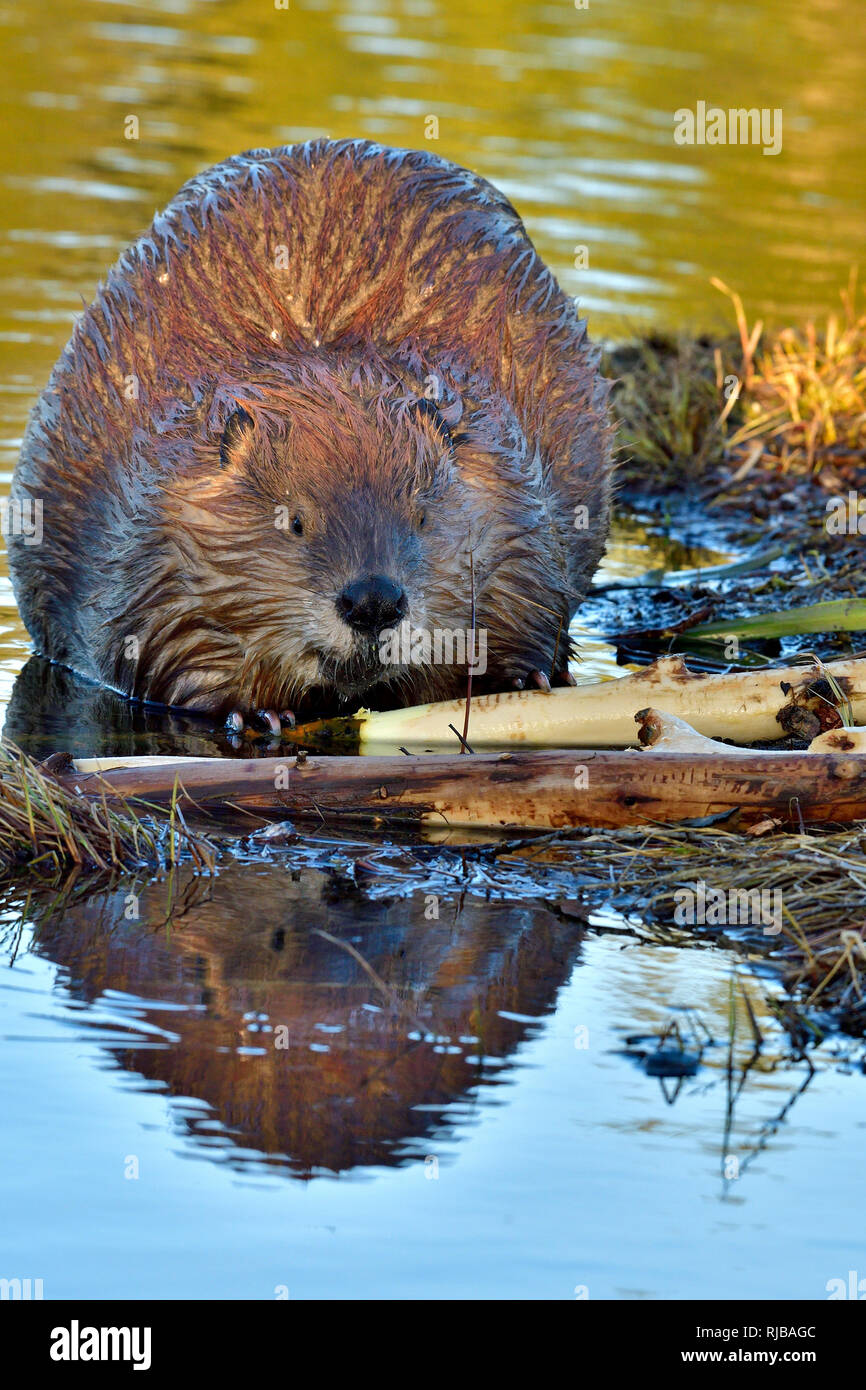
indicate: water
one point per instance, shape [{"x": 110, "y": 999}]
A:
[
  {"x": 470, "y": 1126},
  {"x": 431, "y": 1128}
]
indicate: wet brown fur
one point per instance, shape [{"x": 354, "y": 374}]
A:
[{"x": 325, "y": 289}]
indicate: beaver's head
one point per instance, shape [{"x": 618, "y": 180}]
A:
[{"x": 327, "y": 517}]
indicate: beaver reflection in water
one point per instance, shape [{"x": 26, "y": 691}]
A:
[{"x": 332, "y": 390}]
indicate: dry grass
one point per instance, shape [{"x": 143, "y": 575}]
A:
[
  {"x": 793, "y": 401},
  {"x": 821, "y": 882},
  {"x": 667, "y": 401},
  {"x": 45, "y": 828},
  {"x": 803, "y": 391}
]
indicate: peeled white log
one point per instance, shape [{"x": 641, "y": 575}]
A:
[{"x": 742, "y": 707}]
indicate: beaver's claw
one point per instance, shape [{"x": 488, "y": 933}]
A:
[
  {"x": 259, "y": 722},
  {"x": 541, "y": 681}
]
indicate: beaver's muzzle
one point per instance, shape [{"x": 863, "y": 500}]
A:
[{"x": 372, "y": 604}]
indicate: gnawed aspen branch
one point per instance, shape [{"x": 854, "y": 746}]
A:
[
  {"x": 657, "y": 731},
  {"x": 743, "y": 707},
  {"x": 840, "y": 741},
  {"x": 661, "y": 732}
]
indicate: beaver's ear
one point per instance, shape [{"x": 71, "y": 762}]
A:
[{"x": 236, "y": 438}]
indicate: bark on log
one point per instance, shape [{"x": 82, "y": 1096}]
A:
[{"x": 514, "y": 790}]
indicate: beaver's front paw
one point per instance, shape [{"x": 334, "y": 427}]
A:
[{"x": 259, "y": 723}]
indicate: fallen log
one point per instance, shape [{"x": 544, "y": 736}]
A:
[
  {"x": 744, "y": 707},
  {"x": 505, "y": 791}
]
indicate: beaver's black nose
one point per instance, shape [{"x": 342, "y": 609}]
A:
[{"x": 372, "y": 604}]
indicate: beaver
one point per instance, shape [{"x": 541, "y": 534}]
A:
[{"x": 333, "y": 389}]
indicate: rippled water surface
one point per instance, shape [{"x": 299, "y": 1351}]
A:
[
  {"x": 320, "y": 1079},
  {"x": 569, "y": 110},
  {"x": 233, "y": 1104}
]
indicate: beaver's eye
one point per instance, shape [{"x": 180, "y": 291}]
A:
[
  {"x": 297, "y": 525},
  {"x": 421, "y": 520}
]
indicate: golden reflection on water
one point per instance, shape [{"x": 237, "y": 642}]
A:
[
  {"x": 569, "y": 110},
  {"x": 301, "y": 1061}
]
